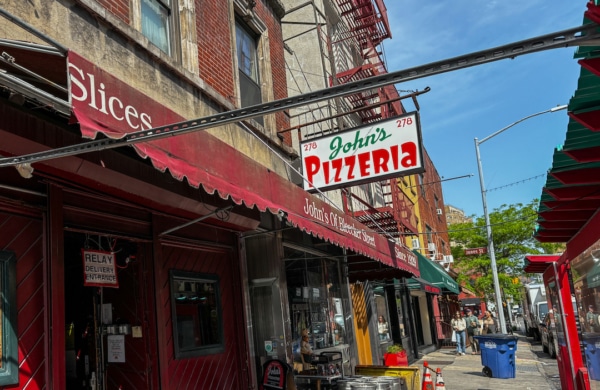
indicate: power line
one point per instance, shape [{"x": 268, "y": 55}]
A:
[{"x": 516, "y": 183}]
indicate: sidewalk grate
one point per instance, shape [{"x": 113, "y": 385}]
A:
[
  {"x": 528, "y": 367},
  {"x": 439, "y": 362}
]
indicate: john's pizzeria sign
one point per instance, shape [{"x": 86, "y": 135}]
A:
[{"x": 391, "y": 148}]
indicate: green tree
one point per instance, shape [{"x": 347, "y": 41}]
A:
[{"x": 512, "y": 231}]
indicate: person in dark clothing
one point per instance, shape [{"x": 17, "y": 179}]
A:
[{"x": 472, "y": 330}]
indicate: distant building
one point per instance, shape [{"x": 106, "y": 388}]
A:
[{"x": 456, "y": 215}]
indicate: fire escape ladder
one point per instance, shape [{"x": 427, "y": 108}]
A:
[
  {"x": 403, "y": 213},
  {"x": 365, "y": 99},
  {"x": 379, "y": 219},
  {"x": 366, "y": 19},
  {"x": 368, "y": 26}
]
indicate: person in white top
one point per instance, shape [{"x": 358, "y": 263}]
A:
[
  {"x": 459, "y": 326},
  {"x": 382, "y": 328}
]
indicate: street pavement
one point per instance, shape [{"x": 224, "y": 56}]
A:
[{"x": 534, "y": 369}]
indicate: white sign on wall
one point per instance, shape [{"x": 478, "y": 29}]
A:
[
  {"x": 99, "y": 268},
  {"x": 386, "y": 149},
  {"x": 115, "y": 344}
]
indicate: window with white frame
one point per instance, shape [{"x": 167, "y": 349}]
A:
[{"x": 156, "y": 22}]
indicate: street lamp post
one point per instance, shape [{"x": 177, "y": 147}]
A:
[{"x": 488, "y": 227}]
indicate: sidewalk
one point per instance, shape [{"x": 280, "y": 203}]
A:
[{"x": 465, "y": 372}]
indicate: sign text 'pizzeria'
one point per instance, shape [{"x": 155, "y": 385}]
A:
[{"x": 378, "y": 151}]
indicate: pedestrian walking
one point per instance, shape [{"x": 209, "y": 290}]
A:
[
  {"x": 472, "y": 330},
  {"x": 459, "y": 326},
  {"x": 489, "y": 323}
]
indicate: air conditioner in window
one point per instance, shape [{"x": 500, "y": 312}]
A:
[
  {"x": 439, "y": 211},
  {"x": 448, "y": 259},
  {"x": 431, "y": 247},
  {"x": 415, "y": 243}
]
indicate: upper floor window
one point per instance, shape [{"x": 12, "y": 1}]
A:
[
  {"x": 247, "y": 53},
  {"x": 156, "y": 23},
  {"x": 429, "y": 234},
  {"x": 422, "y": 184}
]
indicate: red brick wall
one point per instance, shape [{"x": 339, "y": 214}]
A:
[
  {"x": 215, "y": 51},
  {"x": 279, "y": 81},
  {"x": 119, "y": 8},
  {"x": 214, "y": 46}
]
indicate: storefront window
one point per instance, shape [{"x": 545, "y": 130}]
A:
[
  {"x": 383, "y": 325},
  {"x": 314, "y": 293},
  {"x": 8, "y": 324},
  {"x": 585, "y": 273},
  {"x": 197, "y": 327}
]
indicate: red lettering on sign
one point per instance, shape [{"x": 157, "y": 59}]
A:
[{"x": 363, "y": 165}]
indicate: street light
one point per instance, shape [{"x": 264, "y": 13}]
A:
[{"x": 487, "y": 217}]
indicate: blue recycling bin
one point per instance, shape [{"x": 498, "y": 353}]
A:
[
  {"x": 591, "y": 346},
  {"x": 498, "y": 355}
]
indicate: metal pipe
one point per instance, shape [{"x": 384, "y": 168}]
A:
[
  {"x": 566, "y": 38},
  {"x": 353, "y": 111},
  {"x": 33, "y": 30},
  {"x": 193, "y": 221},
  {"x": 488, "y": 226}
]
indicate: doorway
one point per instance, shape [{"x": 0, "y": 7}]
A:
[
  {"x": 418, "y": 323},
  {"x": 99, "y": 316}
]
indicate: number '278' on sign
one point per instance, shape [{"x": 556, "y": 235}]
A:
[{"x": 390, "y": 148}]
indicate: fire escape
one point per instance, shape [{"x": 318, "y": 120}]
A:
[{"x": 368, "y": 26}]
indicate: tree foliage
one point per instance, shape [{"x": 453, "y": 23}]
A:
[{"x": 512, "y": 232}]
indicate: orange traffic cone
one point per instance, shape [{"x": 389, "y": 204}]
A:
[
  {"x": 439, "y": 381},
  {"x": 427, "y": 382}
]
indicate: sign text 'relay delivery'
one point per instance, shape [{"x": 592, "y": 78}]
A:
[
  {"x": 386, "y": 149},
  {"x": 99, "y": 268}
]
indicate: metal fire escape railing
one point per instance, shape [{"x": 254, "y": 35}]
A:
[
  {"x": 367, "y": 19},
  {"x": 368, "y": 26},
  {"x": 395, "y": 218}
]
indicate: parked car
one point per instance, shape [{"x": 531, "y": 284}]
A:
[{"x": 548, "y": 335}]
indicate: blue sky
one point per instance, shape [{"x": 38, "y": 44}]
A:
[{"x": 478, "y": 101}]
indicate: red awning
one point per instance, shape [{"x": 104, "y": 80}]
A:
[
  {"x": 104, "y": 104},
  {"x": 537, "y": 264}
]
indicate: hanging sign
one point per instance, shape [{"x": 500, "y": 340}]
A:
[
  {"x": 386, "y": 149},
  {"x": 99, "y": 268}
]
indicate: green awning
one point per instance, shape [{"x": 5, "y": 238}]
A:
[
  {"x": 436, "y": 274},
  {"x": 422, "y": 284}
]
